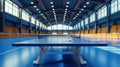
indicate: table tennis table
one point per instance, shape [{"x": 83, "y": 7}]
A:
[{"x": 58, "y": 40}]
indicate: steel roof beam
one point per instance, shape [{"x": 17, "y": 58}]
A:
[{"x": 97, "y": 2}]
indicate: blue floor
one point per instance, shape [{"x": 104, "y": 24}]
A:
[{"x": 23, "y": 56}]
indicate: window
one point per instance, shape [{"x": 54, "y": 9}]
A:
[
  {"x": 82, "y": 23},
  {"x": 25, "y": 15},
  {"x": 59, "y": 27},
  {"x": 102, "y": 12},
  {"x": 37, "y": 23},
  {"x": 11, "y": 8},
  {"x": 86, "y": 21},
  {"x": 15, "y": 10},
  {"x": 114, "y": 6},
  {"x": 8, "y": 6},
  {"x": 76, "y": 26},
  {"x": 92, "y": 17},
  {"x": 119, "y": 5},
  {"x": 40, "y": 24},
  {"x": 33, "y": 20},
  {"x": 44, "y": 26},
  {"x": 79, "y": 25}
]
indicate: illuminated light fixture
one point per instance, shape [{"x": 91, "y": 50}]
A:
[
  {"x": 68, "y": 2},
  {"x": 65, "y": 9},
  {"x": 67, "y": 6},
  {"x": 35, "y": 6},
  {"x": 79, "y": 11},
  {"x": 53, "y": 9},
  {"x": 51, "y": 2},
  {"x": 78, "y": 14},
  {"x": 41, "y": 14},
  {"x": 52, "y": 6},
  {"x": 84, "y": 6},
  {"x": 32, "y": 2},
  {"x": 88, "y": 3},
  {"x": 82, "y": 9},
  {"x": 37, "y": 9}
]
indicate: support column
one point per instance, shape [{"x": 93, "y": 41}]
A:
[
  {"x": 83, "y": 26},
  {"x": 108, "y": 14},
  {"x": 20, "y": 20},
  {"x": 88, "y": 24},
  {"x": 30, "y": 28},
  {"x": 39, "y": 27},
  {"x": 96, "y": 18},
  {"x": 2, "y": 12},
  {"x": 80, "y": 27}
]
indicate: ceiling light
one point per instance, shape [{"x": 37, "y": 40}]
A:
[
  {"x": 66, "y": 9},
  {"x": 52, "y": 6},
  {"x": 88, "y": 2},
  {"x": 67, "y": 6},
  {"x": 37, "y": 9},
  {"x": 84, "y": 6},
  {"x": 82, "y": 9},
  {"x": 41, "y": 14},
  {"x": 51, "y": 2},
  {"x": 79, "y": 11},
  {"x": 78, "y": 14},
  {"x": 68, "y": 2},
  {"x": 32, "y": 2},
  {"x": 53, "y": 9},
  {"x": 35, "y": 6}
]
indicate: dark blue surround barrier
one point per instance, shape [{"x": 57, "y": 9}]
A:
[
  {"x": 102, "y": 56},
  {"x": 16, "y": 56}
]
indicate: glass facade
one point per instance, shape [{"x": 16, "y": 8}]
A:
[
  {"x": 102, "y": 12},
  {"x": 11, "y": 8},
  {"x": 92, "y": 17},
  {"x": 33, "y": 20},
  {"x": 25, "y": 15},
  {"x": 59, "y": 27},
  {"x": 115, "y": 6},
  {"x": 37, "y": 23},
  {"x": 86, "y": 21}
]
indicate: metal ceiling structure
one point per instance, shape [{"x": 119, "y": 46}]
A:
[{"x": 50, "y": 12}]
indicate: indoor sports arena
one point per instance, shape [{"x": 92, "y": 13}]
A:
[{"x": 59, "y": 33}]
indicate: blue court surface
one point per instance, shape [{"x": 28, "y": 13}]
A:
[{"x": 57, "y": 56}]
